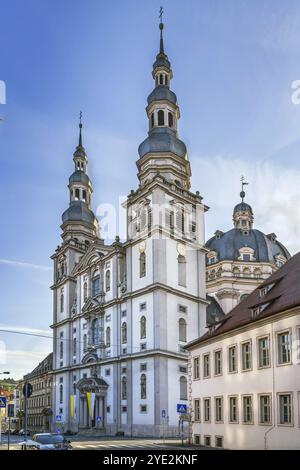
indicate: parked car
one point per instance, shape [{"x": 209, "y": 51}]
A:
[
  {"x": 22, "y": 432},
  {"x": 47, "y": 441}
]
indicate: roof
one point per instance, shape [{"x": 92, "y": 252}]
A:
[
  {"x": 265, "y": 247},
  {"x": 283, "y": 296},
  {"x": 79, "y": 211},
  {"x": 79, "y": 177},
  {"x": 242, "y": 207},
  {"x": 43, "y": 367},
  {"x": 162, "y": 92},
  {"x": 162, "y": 139}
]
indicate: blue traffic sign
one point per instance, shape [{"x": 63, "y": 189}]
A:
[
  {"x": 58, "y": 418},
  {"x": 98, "y": 419},
  {"x": 181, "y": 408},
  {"x": 2, "y": 402}
]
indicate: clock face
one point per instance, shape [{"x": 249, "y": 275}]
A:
[
  {"x": 142, "y": 247},
  {"x": 181, "y": 249}
]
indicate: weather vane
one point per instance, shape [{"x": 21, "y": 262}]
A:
[
  {"x": 242, "y": 193},
  {"x": 161, "y": 12},
  {"x": 80, "y": 118}
]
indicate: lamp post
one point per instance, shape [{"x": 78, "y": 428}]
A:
[{"x": 5, "y": 372}]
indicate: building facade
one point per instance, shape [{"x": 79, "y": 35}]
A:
[
  {"x": 245, "y": 371},
  {"x": 39, "y": 405},
  {"x": 240, "y": 259},
  {"x": 123, "y": 312}
]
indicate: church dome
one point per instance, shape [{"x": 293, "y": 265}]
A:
[
  {"x": 162, "y": 139},
  {"x": 79, "y": 211},
  {"x": 242, "y": 207},
  {"x": 79, "y": 177},
  {"x": 162, "y": 92},
  {"x": 228, "y": 245}
]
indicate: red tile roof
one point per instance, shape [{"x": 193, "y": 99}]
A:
[{"x": 283, "y": 296}]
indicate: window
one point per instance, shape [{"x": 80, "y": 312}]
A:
[
  {"x": 143, "y": 346},
  {"x": 84, "y": 342},
  {"x": 124, "y": 409},
  {"x": 170, "y": 120},
  {"x": 62, "y": 300},
  {"x": 143, "y": 367},
  {"x": 124, "y": 388},
  {"x": 107, "y": 337},
  {"x": 61, "y": 350},
  {"x": 161, "y": 118},
  {"x": 182, "y": 329},
  {"x": 142, "y": 264},
  {"x": 196, "y": 368},
  {"x": 77, "y": 194},
  {"x": 285, "y": 409},
  {"x": 246, "y": 257},
  {"x": 181, "y": 271},
  {"x": 124, "y": 332},
  {"x": 143, "y": 306},
  {"x": 284, "y": 348},
  {"x": 197, "y": 439},
  {"x": 219, "y": 441},
  {"x": 95, "y": 331},
  {"x": 219, "y": 409},
  {"x": 84, "y": 195},
  {"x": 247, "y": 409},
  {"x": 143, "y": 408},
  {"x": 143, "y": 325},
  {"x": 233, "y": 409},
  {"x": 161, "y": 79},
  {"x": 152, "y": 120},
  {"x": 107, "y": 372},
  {"x": 206, "y": 402},
  {"x": 183, "y": 388},
  {"x": 207, "y": 441},
  {"x": 246, "y": 356},
  {"x": 107, "y": 280},
  {"x": 218, "y": 362},
  {"x": 85, "y": 291},
  {"x": 61, "y": 393},
  {"x": 182, "y": 309},
  {"x": 197, "y": 409},
  {"x": 74, "y": 346},
  {"x": 96, "y": 286},
  {"x": 265, "y": 409},
  {"x": 263, "y": 352},
  {"x": 143, "y": 387},
  {"x": 232, "y": 359},
  {"x": 206, "y": 365}
]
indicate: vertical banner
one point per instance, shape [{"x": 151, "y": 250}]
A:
[
  {"x": 91, "y": 403},
  {"x": 73, "y": 405}
]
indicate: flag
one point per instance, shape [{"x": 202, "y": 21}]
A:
[
  {"x": 91, "y": 402},
  {"x": 73, "y": 405}
]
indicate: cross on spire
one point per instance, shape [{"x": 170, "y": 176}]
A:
[
  {"x": 80, "y": 128},
  {"x": 161, "y": 27},
  {"x": 244, "y": 183}
]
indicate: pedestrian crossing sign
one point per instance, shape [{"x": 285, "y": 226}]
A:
[{"x": 2, "y": 402}]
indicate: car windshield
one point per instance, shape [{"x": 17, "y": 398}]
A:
[{"x": 48, "y": 439}]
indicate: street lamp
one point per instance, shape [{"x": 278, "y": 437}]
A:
[{"x": 5, "y": 372}]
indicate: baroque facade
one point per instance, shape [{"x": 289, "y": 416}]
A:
[
  {"x": 123, "y": 312},
  {"x": 245, "y": 371}
]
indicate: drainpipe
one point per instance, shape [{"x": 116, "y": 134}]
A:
[{"x": 273, "y": 387}]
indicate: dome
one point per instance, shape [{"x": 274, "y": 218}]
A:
[
  {"x": 77, "y": 212},
  {"x": 162, "y": 139},
  {"x": 161, "y": 61},
  {"x": 227, "y": 245},
  {"x": 162, "y": 92},
  {"x": 79, "y": 177},
  {"x": 242, "y": 207}
]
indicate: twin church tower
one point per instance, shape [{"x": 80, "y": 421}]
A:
[{"x": 124, "y": 312}]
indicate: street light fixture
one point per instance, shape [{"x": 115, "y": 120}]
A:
[{"x": 5, "y": 372}]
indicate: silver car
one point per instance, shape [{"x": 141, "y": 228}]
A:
[{"x": 47, "y": 441}]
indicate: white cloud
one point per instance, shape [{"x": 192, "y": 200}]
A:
[{"x": 22, "y": 264}]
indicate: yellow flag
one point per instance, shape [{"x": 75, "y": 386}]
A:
[
  {"x": 91, "y": 402},
  {"x": 72, "y": 405}
]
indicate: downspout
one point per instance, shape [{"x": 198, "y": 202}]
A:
[{"x": 273, "y": 388}]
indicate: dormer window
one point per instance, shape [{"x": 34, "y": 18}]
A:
[
  {"x": 265, "y": 289},
  {"x": 258, "y": 309}
]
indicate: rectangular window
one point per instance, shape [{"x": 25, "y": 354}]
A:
[
  {"x": 182, "y": 309},
  {"x": 196, "y": 368},
  {"x": 218, "y": 362},
  {"x": 143, "y": 367},
  {"x": 96, "y": 286},
  {"x": 284, "y": 347},
  {"x": 143, "y": 306},
  {"x": 265, "y": 409},
  {"x": 247, "y": 409},
  {"x": 124, "y": 409},
  {"x": 219, "y": 409},
  {"x": 263, "y": 352},
  {"x": 246, "y": 356},
  {"x": 197, "y": 440},
  {"x": 206, "y": 365},
  {"x": 197, "y": 409},
  {"x": 233, "y": 410},
  {"x": 206, "y": 403},
  {"x": 143, "y": 408},
  {"x": 207, "y": 441},
  {"x": 285, "y": 409},
  {"x": 219, "y": 441},
  {"x": 298, "y": 345},
  {"x": 232, "y": 359}
]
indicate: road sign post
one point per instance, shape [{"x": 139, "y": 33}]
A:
[
  {"x": 27, "y": 392},
  {"x": 2, "y": 405}
]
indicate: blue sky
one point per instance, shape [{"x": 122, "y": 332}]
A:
[{"x": 234, "y": 62}]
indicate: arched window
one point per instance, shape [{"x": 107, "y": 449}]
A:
[
  {"x": 170, "y": 120},
  {"x": 95, "y": 331},
  {"x": 61, "y": 350},
  {"x": 96, "y": 286},
  {"x": 107, "y": 339},
  {"x": 74, "y": 346},
  {"x": 143, "y": 264},
  {"x": 77, "y": 194},
  {"x": 61, "y": 393},
  {"x": 84, "y": 342},
  {"x": 107, "y": 280},
  {"x": 182, "y": 329},
  {"x": 85, "y": 291},
  {"x": 161, "y": 117},
  {"x": 62, "y": 300},
  {"x": 143, "y": 387},
  {"x": 143, "y": 327},
  {"x": 166, "y": 80},
  {"x": 152, "y": 120},
  {"x": 183, "y": 388},
  {"x": 124, "y": 333},
  {"x": 84, "y": 195},
  {"x": 181, "y": 271},
  {"x": 124, "y": 388},
  {"x": 161, "y": 79}
]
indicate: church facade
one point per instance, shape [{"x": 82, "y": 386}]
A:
[{"x": 122, "y": 313}]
